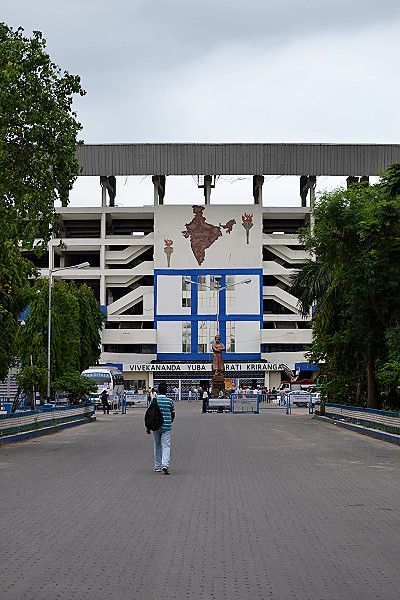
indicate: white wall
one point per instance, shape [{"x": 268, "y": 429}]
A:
[
  {"x": 129, "y": 336},
  {"x": 169, "y": 336},
  {"x": 247, "y": 296},
  {"x": 169, "y": 296},
  {"x": 289, "y": 358},
  {"x": 229, "y": 251},
  {"x": 247, "y": 336}
]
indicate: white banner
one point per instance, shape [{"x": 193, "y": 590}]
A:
[{"x": 202, "y": 367}]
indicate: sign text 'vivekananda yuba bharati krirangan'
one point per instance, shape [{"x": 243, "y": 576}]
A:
[{"x": 202, "y": 367}]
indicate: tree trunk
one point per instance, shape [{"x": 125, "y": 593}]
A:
[
  {"x": 358, "y": 393},
  {"x": 372, "y": 394}
]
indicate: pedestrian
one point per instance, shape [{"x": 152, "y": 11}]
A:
[
  {"x": 190, "y": 396},
  {"x": 196, "y": 392},
  {"x": 205, "y": 400},
  {"x": 105, "y": 403},
  {"x": 153, "y": 394},
  {"x": 162, "y": 437}
]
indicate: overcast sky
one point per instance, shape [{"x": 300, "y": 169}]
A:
[{"x": 219, "y": 71}]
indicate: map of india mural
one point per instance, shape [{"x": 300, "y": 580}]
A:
[{"x": 202, "y": 234}]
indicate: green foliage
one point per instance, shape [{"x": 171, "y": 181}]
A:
[
  {"x": 38, "y": 135},
  {"x": 32, "y": 378},
  {"x": 38, "y": 165},
  {"x": 90, "y": 324},
  {"x": 354, "y": 285},
  {"x": 14, "y": 294},
  {"x": 76, "y": 386},
  {"x": 75, "y": 335}
]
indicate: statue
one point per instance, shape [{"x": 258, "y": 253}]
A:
[{"x": 217, "y": 361}]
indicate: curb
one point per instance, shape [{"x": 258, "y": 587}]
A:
[
  {"x": 374, "y": 433},
  {"x": 26, "y": 435}
]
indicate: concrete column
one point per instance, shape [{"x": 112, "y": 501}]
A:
[
  {"x": 258, "y": 181},
  {"x": 303, "y": 190},
  {"x": 266, "y": 380},
  {"x": 307, "y": 183},
  {"x": 207, "y": 189},
  {"x": 103, "y": 194},
  {"x": 108, "y": 184},
  {"x": 155, "y": 189},
  {"x": 103, "y": 294},
  {"x": 312, "y": 185},
  {"x": 350, "y": 180},
  {"x": 159, "y": 183},
  {"x": 103, "y": 290}
]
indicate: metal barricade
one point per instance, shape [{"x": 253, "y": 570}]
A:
[
  {"x": 272, "y": 401},
  {"x": 245, "y": 403}
]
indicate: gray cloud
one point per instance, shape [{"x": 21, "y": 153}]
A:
[
  {"x": 161, "y": 34},
  {"x": 172, "y": 70}
]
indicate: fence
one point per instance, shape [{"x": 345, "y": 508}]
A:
[
  {"x": 24, "y": 422},
  {"x": 245, "y": 403},
  {"x": 386, "y": 421},
  {"x": 272, "y": 401}
]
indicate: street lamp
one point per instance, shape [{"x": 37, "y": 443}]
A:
[
  {"x": 217, "y": 279},
  {"x": 83, "y": 265}
]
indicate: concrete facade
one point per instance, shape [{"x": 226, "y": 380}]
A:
[
  {"x": 156, "y": 284},
  {"x": 143, "y": 299}
]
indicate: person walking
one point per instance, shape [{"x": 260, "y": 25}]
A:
[
  {"x": 162, "y": 437},
  {"x": 105, "y": 403}
]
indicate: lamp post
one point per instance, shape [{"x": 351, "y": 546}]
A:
[{"x": 83, "y": 265}]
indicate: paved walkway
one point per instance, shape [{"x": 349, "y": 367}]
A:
[{"x": 257, "y": 506}]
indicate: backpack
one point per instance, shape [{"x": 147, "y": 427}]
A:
[{"x": 153, "y": 418}]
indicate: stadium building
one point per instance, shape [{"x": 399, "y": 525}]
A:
[{"x": 168, "y": 277}]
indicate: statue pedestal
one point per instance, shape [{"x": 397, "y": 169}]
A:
[{"x": 218, "y": 384}]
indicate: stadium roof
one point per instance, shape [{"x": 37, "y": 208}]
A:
[{"x": 237, "y": 159}]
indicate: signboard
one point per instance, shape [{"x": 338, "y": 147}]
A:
[
  {"x": 202, "y": 367},
  {"x": 299, "y": 398},
  {"x": 215, "y": 402},
  {"x": 135, "y": 398},
  {"x": 247, "y": 403},
  {"x": 230, "y": 384}
]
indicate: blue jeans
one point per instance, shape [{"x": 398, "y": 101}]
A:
[{"x": 162, "y": 448}]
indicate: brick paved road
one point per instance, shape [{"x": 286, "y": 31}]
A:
[{"x": 270, "y": 506}]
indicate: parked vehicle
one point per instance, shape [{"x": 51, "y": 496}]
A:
[
  {"x": 293, "y": 386},
  {"x": 106, "y": 378}
]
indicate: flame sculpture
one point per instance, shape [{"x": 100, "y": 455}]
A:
[
  {"x": 168, "y": 250},
  {"x": 247, "y": 223}
]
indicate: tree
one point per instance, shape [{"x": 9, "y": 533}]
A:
[
  {"x": 76, "y": 386},
  {"x": 90, "y": 324},
  {"x": 38, "y": 136},
  {"x": 75, "y": 335},
  {"x": 354, "y": 280},
  {"x": 31, "y": 379},
  {"x": 14, "y": 294},
  {"x": 38, "y": 163}
]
